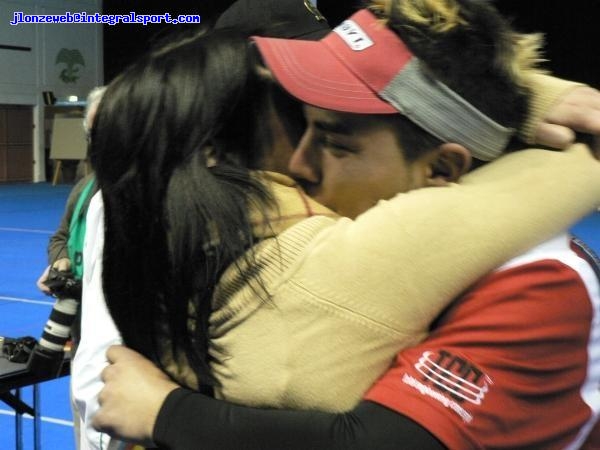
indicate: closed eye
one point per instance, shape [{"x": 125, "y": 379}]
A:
[{"x": 335, "y": 146}]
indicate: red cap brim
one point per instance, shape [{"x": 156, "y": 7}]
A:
[{"x": 331, "y": 74}]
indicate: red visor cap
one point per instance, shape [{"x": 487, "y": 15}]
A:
[{"x": 345, "y": 70}]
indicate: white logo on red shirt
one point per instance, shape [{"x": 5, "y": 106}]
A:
[{"x": 454, "y": 375}]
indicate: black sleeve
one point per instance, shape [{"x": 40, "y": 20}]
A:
[{"x": 191, "y": 421}]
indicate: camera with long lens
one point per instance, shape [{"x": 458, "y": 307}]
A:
[
  {"x": 48, "y": 354},
  {"x": 17, "y": 350}
]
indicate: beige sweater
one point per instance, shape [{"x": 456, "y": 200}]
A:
[
  {"x": 344, "y": 296},
  {"x": 546, "y": 91}
]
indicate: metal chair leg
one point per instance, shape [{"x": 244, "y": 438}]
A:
[
  {"x": 37, "y": 418},
  {"x": 18, "y": 424}
]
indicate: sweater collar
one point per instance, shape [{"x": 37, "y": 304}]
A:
[{"x": 293, "y": 206}]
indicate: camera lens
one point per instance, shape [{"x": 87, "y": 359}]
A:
[{"x": 58, "y": 327}]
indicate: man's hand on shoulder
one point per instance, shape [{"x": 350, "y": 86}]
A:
[{"x": 576, "y": 111}]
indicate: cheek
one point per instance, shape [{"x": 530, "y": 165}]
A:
[
  {"x": 388, "y": 180},
  {"x": 350, "y": 186},
  {"x": 353, "y": 195},
  {"x": 341, "y": 187}
]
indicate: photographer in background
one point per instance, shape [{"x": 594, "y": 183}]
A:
[
  {"x": 58, "y": 247},
  {"x": 62, "y": 277}
]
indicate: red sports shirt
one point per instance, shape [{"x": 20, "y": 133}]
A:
[{"x": 512, "y": 364}]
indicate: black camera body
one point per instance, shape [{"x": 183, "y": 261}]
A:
[
  {"x": 17, "y": 350},
  {"x": 63, "y": 284}
]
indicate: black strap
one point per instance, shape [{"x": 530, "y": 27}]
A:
[{"x": 588, "y": 254}]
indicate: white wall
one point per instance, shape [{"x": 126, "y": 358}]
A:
[{"x": 24, "y": 75}]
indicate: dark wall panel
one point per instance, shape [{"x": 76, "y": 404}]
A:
[{"x": 572, "y": 49}]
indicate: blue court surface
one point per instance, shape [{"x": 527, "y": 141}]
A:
[{"x": 29, "y": 213}]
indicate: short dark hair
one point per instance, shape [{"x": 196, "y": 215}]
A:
[{"x": 470, "y": 47}]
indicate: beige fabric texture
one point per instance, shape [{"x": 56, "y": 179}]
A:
[{"x": 546, "y": 91}]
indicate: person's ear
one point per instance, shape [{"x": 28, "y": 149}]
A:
[{"x": 450, "y": 162}]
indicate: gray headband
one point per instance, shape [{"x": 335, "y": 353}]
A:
[{"x": 442, "y": 112}]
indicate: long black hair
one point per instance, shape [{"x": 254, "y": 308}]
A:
[{"x": 173, "y": 144}]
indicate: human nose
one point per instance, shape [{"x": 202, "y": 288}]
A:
[{"x": 305, "y": 161}]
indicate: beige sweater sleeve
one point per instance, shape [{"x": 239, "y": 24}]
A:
[
  {"x": 404, "y": 260},
  {"x": 546, "y": 91}
]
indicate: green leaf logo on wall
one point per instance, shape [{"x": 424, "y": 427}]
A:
[{"x": 73, "y": 59}]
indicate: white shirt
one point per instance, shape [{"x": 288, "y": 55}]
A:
[{"x": 98, "y": 332}]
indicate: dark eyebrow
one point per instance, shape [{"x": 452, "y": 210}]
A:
[{"x": 333, "y": 126}]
